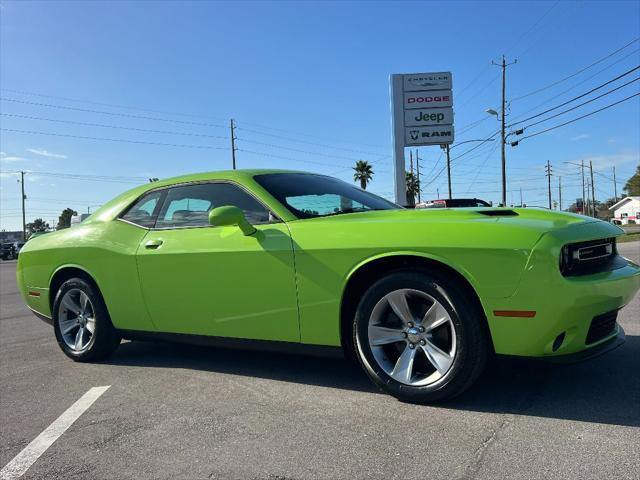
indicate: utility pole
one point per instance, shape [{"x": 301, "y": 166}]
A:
[
  {"x": 560, "y": 192},
  {"x": 615, "y": 185},
  {"x": 593, "y": 191},
  {"x": 448, "y": 170},
  {"x": 438, "y": 193},
  {"x": 233, "y": 144},
  {"x": 504, "y": 66},
  {"x": 418, "y": 174},
  {"x": 548, "y": 175},
  {"x": 24, "y": 197},
  {"x": 521, "y": 204},
  {"x": 583, "y": 192},
  {"x": 411, "y": 161}
]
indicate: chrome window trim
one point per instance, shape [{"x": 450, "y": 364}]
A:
[{"x": 131, "y": 223}]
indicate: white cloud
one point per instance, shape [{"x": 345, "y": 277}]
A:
[
  {"x": 9, "y": 158},
  {"x": 582, "y": 136},
  {"x": 45, "y": 153},
  {"x": 614, "y": 159}
]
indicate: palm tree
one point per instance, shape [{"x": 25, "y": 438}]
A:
[
  {"x": 363, "y": 173},
  {"x": 413, "y": 186}
]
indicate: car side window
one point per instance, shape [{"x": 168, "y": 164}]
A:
[
  {"x": 189, "y": 205},
  {"x": 322, "y": 204},
  {"x": 142, "y": 212}
]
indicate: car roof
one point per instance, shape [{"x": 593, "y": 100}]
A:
[{"x": 113, "y": 207}]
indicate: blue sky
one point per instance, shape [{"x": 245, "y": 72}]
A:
[{"x": 307, "y": 84}]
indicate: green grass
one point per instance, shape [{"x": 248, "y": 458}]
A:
[{"x": 629, "y": 237}]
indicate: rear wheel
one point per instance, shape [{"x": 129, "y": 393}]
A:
[
  {"x": 81, "y": 322},
  {"x": 419, "y": 337}
]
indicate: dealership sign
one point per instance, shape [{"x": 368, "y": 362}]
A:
[{"x": 422, "y": 114}]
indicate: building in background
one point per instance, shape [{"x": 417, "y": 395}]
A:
[
  {"x": 626, "y": 210},
  {"x": 10, "y": 237}
]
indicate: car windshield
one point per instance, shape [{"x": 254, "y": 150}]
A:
[{"x": 308, "y": 195}]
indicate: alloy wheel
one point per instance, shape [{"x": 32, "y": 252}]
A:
[
  {"x": 412, "y": 337},
  {"x": 76, "y": 318}
]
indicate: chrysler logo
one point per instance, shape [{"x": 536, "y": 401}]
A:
[{"x": 429, "y": 80}]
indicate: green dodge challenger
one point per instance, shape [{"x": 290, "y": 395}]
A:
[{"x": 422, "y": 298}]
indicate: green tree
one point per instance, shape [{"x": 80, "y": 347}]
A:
[
  {"x": 413, "y": 187},
  {"x": 38, "y": 225},
  {"x": 363, "y": 173},
  {"x": 64, "y": 220},
  {"x": 632, "y": 187}
]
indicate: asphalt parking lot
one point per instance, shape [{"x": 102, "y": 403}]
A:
[{"x": 176, "y": 411}]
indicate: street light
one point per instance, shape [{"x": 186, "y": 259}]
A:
[
  {"x": 447, "y": 148},
  {"x": 491, "y": 111}
]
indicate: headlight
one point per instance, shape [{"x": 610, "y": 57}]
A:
[{"x": 584, "y": 258}]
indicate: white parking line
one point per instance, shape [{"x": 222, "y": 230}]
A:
[{"x": 21, "y": 462}]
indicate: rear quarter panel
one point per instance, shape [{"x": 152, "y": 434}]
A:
[{"x": 105, "y": 251}]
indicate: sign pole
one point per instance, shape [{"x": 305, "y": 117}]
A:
[{"x": 397, "y": 128}]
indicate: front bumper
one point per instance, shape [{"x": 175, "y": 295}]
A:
[
  {"x": 564, "y": 307},
  {"x": 600, "y": 349}
]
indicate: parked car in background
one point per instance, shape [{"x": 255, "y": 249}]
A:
[
  {"x": 8, "y": 251},
  {"x": 19, "y": 246},
  {"x": 453, "y": 203},
  {"x": 421, "y": 298}
]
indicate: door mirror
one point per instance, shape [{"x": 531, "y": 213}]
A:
[{"x": 225, "y": 216}]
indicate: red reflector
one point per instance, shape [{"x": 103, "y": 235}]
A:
[
  {"x": 515, "y": 313},
  {"x": 34, "y": 294}
]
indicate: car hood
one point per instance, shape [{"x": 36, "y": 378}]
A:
[{"x": 537, "y": 221}]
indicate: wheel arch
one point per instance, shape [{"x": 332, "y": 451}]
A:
[
  {"x": 363, "y": 275},
  {"x": 64, "y": 273}
]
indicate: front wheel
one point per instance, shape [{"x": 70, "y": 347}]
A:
[
  {"x": 419, "y": 337},
  {"x": 81, "y": 322}
]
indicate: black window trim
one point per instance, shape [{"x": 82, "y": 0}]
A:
[
  {"x": 156, "y": 209},
  {"x": 163, "y": 197}
]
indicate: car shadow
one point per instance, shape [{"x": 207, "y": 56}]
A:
[{"x": 602, "y": 390}]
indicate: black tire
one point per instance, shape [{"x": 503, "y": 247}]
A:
[
  {"x": 472, "y": 341},
  {"x": 105, "y": 339}
]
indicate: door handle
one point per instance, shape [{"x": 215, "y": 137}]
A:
[{"x": 153, "y": 244}]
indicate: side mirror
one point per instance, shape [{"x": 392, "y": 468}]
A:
[{"x": 225, "y": 216}]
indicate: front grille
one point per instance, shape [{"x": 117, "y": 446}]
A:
[
  {"x": 602, "y": 326},
  {"x": 590, "y": 257}
]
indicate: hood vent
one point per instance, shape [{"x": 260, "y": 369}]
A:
[{"x": 498, "y": 213}]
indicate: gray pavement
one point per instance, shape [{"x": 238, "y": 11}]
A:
[{"x": 189, "y": 412}]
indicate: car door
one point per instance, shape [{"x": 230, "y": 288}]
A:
[{"x": 205, "y": 280}]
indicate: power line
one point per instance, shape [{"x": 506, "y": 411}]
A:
[
  {"x": 262, "y": 154},
  {"x": 78, "y": 176},
  {"x": 573, "y": 87},
  {"x": 462, "y": 155},
  {"x": 582, "y": 95},
  {"x": 557, "y": 82},
  {"x": 576, "y": 119},
  {"x": 116, "y": 114},
  {"x": 265, "y": 127},
  {"x": 140, "y": 142},
  {"x": 581, "y": 104},
  {"x": 297, "y": 150},
  {"x": 460, "y": 93},
  {"x": 308, "y": 143},
  {"x": 532, "y": 28},
  {"x": 157, "y": 118},
  {"x": 111, "y": 105},
  {"x": 491, "y": 152},
  {"x": 102, "y": 125}
]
